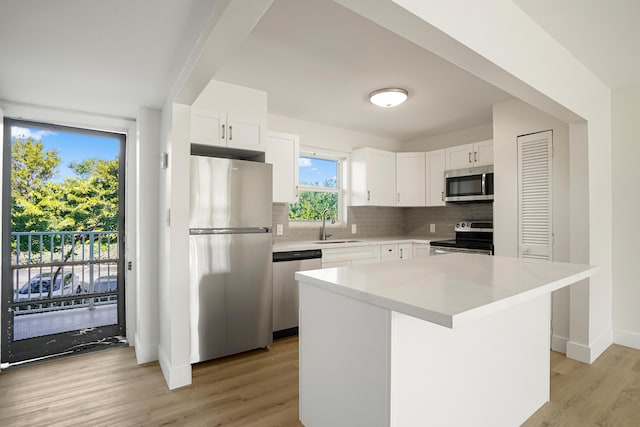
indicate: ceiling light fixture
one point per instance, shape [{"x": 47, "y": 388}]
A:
[{"x": 388, "y": 97}]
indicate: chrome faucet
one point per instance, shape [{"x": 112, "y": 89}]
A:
[{"x": 324, "y": 235}]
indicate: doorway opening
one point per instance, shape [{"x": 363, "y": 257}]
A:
[{"x": 63, "y": 240}]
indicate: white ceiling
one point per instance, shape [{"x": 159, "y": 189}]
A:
[
  {"x": 106, "y": 57},
  {"x": 603, "y": 35},
  {"x": 317, "y": 60}
]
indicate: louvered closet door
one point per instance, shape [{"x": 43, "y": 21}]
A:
[{"x": 535, "y": 230}]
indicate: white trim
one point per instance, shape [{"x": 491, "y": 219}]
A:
[
  {"x": 175, "y": 377},
  {"x": 144, "y": 354},
  {"x": 559, "y": 343},
  {"x": 626, "y": 338},
  {"x": 588, "y": 354}
]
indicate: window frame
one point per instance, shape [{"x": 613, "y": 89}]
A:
[{"x": 342, "y": 161}]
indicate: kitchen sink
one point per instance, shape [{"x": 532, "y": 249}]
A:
[{"x": 325, "y": 242}]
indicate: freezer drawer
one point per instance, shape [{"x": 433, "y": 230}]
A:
[
  {"x": 230, "y": 294},
  {"x": 229, "y": 193}
]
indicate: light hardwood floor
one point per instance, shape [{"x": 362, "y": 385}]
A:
[{"x": 260, "y": 388}]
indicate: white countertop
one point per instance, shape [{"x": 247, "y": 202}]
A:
[
  {"x": 451, "y": 289},
  {"x": 353, "y": 242}
]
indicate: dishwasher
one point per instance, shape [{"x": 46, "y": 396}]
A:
[{"x": 285, "y": 288}]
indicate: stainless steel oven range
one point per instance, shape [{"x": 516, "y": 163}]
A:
[{"x": 471, "y": 237}]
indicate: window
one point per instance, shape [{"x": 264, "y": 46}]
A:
[{"x": 320, "y": 187}]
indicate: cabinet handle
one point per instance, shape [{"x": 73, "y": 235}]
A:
[
  {"x": 230, "y": 133},
  {"x": 475, "y": 156},
  {"x": 222, "y": 131},
  {"x": 368, "y": 195},
  {"x": 469, "y": 157},
  {"x": 297, "y": 191},
  {"x": 398, "y": 197},
  {"x": 442, "y": 195},
  {"x": 401, "y": 257}
]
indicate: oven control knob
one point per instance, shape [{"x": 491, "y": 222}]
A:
[
  {"x": 462, "y": 224},
  {"x": 457, "y": 224}
]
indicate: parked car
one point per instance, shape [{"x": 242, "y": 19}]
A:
[
  {"x": 39, "y": 285},
  {"x": 105, "y": 284}
]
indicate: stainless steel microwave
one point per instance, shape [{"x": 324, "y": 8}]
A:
[{"x": 469, "y": 184}]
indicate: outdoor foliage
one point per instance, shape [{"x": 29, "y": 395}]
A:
[
  {"x": 87, "y": 202},
  {"x": 311, "y": 203}
]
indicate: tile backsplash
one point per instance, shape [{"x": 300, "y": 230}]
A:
[
  {"x": 417, "y": 220},
  {"x": 380, "y": 221}
]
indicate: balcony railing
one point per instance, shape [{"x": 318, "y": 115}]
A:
[{"x": 62, "y": 270}]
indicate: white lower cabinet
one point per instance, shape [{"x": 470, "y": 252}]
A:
[
  {"x": 421, "y": 250},
  {"x": 344, "y": 257},
  {"x": 389, "y": 252},
  {"x": 405, "y": 250}
]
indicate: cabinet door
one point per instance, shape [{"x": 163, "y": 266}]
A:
[
  {"x": 282, "y": 152},
  {"x": 406, "y": 250},
  {"x": 459, "y": 157},
  {"x": 421, "y": 250},
  {"x": 435, "y": 165},
  {"x": 330, "y": 264},
  {"x": 410, "y": 179},
  {"x": 381, "y": 178},
  {"x": 206, "y": 127},
  {"x": 244, "y": 133},
  {"x": 483, "y": 153},
  {"x": 389, "y": 252}
]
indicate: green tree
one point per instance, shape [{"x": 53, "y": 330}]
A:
[
  {"x": 33, "y": 196},
  {"x": 91, "y": 199},
  {"x": 311, "y": 204}
]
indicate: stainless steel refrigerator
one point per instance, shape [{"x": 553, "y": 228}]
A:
[{"x": 230, "y": 257}]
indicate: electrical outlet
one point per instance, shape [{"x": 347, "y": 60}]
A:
[
  {"x": 353, "y": 229},
  {"x": 432, "y": 228},
  {"x": 279, "y": 230}
]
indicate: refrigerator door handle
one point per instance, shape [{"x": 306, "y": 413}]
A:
[{"x": 244, "y": 230}]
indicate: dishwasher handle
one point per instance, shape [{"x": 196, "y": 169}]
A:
[{"x": 297, "y": 255}]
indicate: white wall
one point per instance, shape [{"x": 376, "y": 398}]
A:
[
  {"x": 511, "y": 51},
  {"x": 626, "y": 203},
  {"x": 146, "y": 270},
  {"x": 510, "y": 120},
  {"x": 323, "y": 136},
  {"x": 173, "y": 259},
  {"x": 450, "y": 139}
]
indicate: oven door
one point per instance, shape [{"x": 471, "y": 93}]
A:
[{"x": 441, "y": 250}]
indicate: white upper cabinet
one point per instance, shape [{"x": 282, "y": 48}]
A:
[
  {"x": 206, "y": 127},
  {"x": 410, "y": 179},
  {"x": 282, "y": 152},
  {"x": 470, "y": 155},
  {"x": 244, "y": 132},
  {"x": 226, "y": 115},
  {"x": 373, "y": 177},
  {"x": 435, "y": 167},
  {"x": 483, "y": 153}
]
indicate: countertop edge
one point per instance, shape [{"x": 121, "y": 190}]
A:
[
  {"x": 445, "y": 319},
  {"x": 310, "y": 244}
]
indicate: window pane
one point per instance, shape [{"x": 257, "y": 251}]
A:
[
  {"x": 315, "y": 172},
  {"x": 311, "y": 205}
]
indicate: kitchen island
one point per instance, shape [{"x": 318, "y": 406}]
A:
[{"x": 454, "y": 340}]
